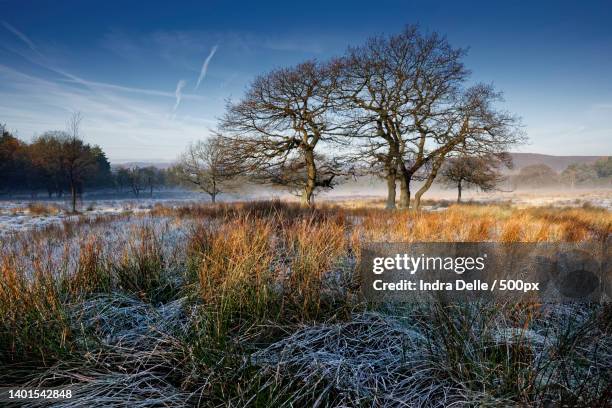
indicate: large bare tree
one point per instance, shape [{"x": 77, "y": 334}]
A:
[
  {"x": 405, "y": 98},
  {"x": 280, "y": 126},
  {"x": 383, "y": 85}
]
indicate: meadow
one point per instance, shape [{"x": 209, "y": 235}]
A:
[{"x": 258, "y": 304}]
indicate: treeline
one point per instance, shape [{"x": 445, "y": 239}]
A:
[
  {"x": 597, "y": 174},
  {"x": 57, "y": 162},
  {"x": 60, "y": 163},
  {"x": 142, "y": 180}
]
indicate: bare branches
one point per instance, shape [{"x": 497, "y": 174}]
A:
[
  {"x": 475, "y": 171},
  {"x": 205, "y": 166},
  {"x": 400, "y": 100},
  {"x": 275, "y": 129}
]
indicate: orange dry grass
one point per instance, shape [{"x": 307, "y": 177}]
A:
[
  {"x": 259, "y": 266},
  {"x": 314, "y": 248},
  {"x": 32, "y": 311},
  {"x": 91, "y": 274},
  {"x": 239, "y": 252},
  {"x": 233, "y": 273},
  {"x": 487, "y": 223},
  {"x": 253, "y": 261}
]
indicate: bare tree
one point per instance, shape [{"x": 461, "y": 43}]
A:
[
  {"x": 78, "y": 162},
  {"x": 405, "y": 98},
  {"x": 281, "y": 122},
  {"x": 389, "y": 87},
  {"x": 471, "y": 125},
  {"x": 204, "y": 165},
  {"x": 136, "y": 179},
  {"x": 483, "y": 172}
]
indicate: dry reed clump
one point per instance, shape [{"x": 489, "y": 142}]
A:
[
  {"x": 316, "y": 251},
  {"x": 92, "y": 274},
  {"x": 34, "y": 326},
  {"x": 261, "y": 266},
  {"x": 141, "y": 269},
  {"x": 234, "y": 272}
]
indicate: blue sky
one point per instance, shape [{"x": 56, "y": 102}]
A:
[{"x": 132, "y": 67}]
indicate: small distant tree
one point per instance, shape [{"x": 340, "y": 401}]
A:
[
  {"x": 65, "y": 160},
  {"x": 203, "y": 165},
  {"x": 47, "y": 155},
  {"x": 471, "y": 171},
  {"x": 603, "y": 167},
  {"x": 152, "y": 178},
  {"x": 79, "y": 162},
  {"x": 578, "y": 174},
  {"x": 537, "y": 175},
  {"x": 122, "y": 178},
  {"x": 136, "y": 180}
]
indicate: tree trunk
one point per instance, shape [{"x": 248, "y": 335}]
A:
[
  {"x": 73, "y": 193},
  {"x": 391, "y": 176},
  {"x": 459, "y": 191},
  {"x": 311, "y": 179},
  {"x": 420, "y": 192},
  {"x": 213, "y": 197},
  {"x": 391, "y": 171},
  {"x": 430, "y": 179},
  {"x": 405, "y": 180}
]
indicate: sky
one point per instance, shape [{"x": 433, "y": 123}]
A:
[{"x": 151, "y": 77}]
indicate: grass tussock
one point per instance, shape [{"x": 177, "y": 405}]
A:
[
  {"x": 34, "y": 327},
  {"x": 256, "y": 304}
]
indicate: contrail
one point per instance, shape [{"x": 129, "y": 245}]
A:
[
  {"x": 179, "y": 93},
  {"x": 205, "y": 66},
  {"x": 21, "y": 36}
]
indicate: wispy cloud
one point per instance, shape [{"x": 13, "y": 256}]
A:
[
  {"x": 126, "y": 126},
  {"x": 204, "y": 69},
  {"x": 179, "y": 93},
  {"x": 21, "y": 36},
  {"x": 126, "y": 121}
]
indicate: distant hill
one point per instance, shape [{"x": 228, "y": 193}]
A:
[{"x": 557, "y": 163}]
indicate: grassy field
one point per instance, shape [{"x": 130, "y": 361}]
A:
[{"x": 257, "y": 304}]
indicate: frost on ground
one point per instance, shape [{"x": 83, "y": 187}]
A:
[
  {"x": 139, "y": 348},
  {"x": 32, "y": 215},
  {"x": 23, "y": 215},
  {"x": 384, "y": 360},
  {"x": 377, "y": 359}
]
